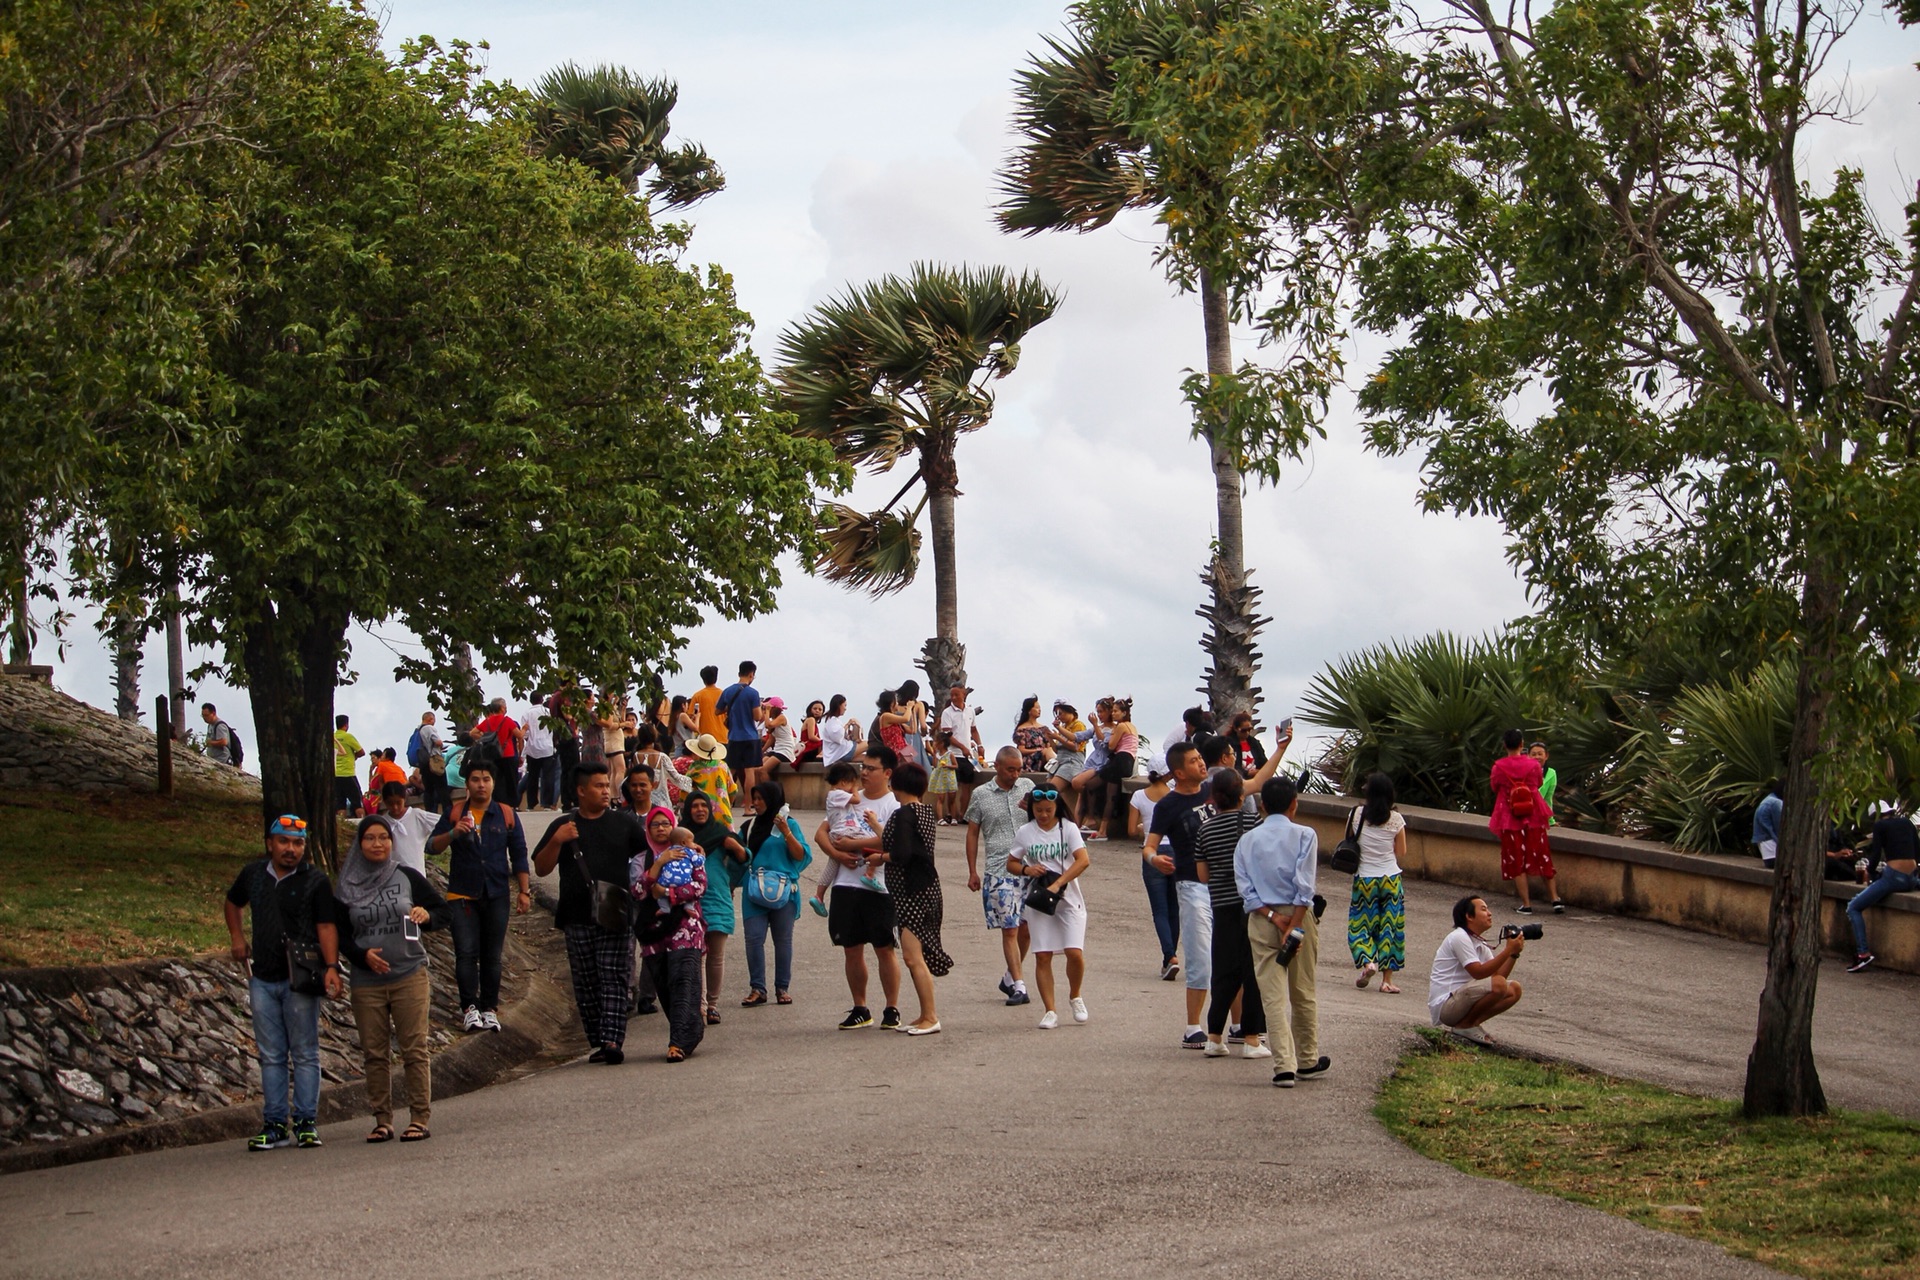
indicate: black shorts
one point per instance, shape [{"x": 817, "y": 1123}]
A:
[
  {"x": 860, "y": 918},
  {"x": 742, "y": 756},
  {"x": 1118, "y": 768},
  {"x": 346, "y": 793},
  {"x": 964, "y": 771}
]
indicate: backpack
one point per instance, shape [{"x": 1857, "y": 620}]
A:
[
  {"x": 1520, "y": 799},
  {"x": 236, "y": 750},
  {"x": 416, "y": 753},
  {"x": 485, "y": 750}
]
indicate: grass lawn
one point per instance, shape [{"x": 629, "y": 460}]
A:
[
  {"x": 91, "y": 881},
  {"x": 1828, "y": 1197}
]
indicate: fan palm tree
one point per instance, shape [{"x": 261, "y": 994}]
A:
[
  {"x": 1079, "y": 165},
  {"x": 899, "y": 369},
  {"x": 616, "y": 123}
]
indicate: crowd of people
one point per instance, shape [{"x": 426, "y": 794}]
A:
[{"x": 677, "y": 834}]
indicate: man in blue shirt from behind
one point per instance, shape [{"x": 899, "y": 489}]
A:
[{"x": 1274, "y": 867}]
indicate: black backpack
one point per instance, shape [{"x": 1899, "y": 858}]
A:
[{"x": 236, "y": 750}]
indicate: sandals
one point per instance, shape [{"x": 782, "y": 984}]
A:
[
  {"x": 416, "y": 1132},
  {"x": 754, "y": 1000},
  {"x": 1367, "y": 971},
  {"x": 1388, "y": 989},
  {"x": 783, "y": 998},
  {"x": 676, "y": 1054},
  {"x": 713, "y": 1016},
  {"x": 381, "y": 1133}
]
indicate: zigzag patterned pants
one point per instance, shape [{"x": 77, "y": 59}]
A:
[{"x": 1377, "y": 922}]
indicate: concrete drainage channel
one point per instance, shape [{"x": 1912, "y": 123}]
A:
[{"x": 538, "y": 1030}]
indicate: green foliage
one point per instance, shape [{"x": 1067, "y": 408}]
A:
[
  {"x": 616, "y": 123},
  {"x": 903, "y": 368}
]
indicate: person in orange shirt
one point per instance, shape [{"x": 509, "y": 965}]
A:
[
  {"x": 387, "y": 769},
  {"x": 705, "y": 703}
]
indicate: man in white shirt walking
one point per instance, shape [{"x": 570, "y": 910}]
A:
[
  {"x": 968, "y": 753},
  {"x": 541, "y": 787}
]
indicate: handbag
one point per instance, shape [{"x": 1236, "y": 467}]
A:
[
  {"x": 306, "y": 969},
  {"x": 1346, "y": 854},
  {"x": 768, "y": 888},
  {"x": 1040, "y": 898},
  {"x": 612, "y": 903}
]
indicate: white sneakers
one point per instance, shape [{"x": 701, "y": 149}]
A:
[
  {"x": 1079, "y": 1008},
  {"x": 1255, "y": 1051},
  {"x": 1214, "y": 1049},
  {"x": 470, "y": 1020},
  {"x": 1049, "y": 1020},
  {"x": 489, "y": 1021}
]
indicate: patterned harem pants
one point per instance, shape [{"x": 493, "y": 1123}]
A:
[
  {"x": 601, "y": 961},
  {"x": 1377, "y": 922}
]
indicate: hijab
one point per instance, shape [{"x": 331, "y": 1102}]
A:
[
  {"x": 363, "y": 882},
  {"x": 658, "y": 846},
  {"x": 712, "y": 833}
]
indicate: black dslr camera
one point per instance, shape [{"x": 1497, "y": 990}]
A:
[{"x": 1531, "y": 932}]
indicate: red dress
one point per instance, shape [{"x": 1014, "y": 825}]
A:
[{"x": 1523, "y": 840}]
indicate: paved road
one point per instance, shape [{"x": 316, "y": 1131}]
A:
[{"x": 993, "y": 1149}]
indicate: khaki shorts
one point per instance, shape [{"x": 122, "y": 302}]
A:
[{"x": 1461, "y": 1002}]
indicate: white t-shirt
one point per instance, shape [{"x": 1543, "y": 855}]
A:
[
  {"x": 539, "y": 740},
  {"x": 1144, "y": 805},
  {"x": 958, "y": 721},
  {"x": 1053, "y": 849},
  {"x": 410, "y": 834},
  {"x": 849, "y": 877},
  {"x": 1376, "y": 846},
  {"x": 834, "y": 746},
  {"x": 1457, "y": 950}
]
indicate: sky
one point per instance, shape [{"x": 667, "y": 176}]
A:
[{"x": 861, "y": 137}]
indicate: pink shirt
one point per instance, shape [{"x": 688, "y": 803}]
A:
[{"x": 1509, "y": 772}]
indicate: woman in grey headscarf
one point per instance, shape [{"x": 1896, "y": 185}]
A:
[{"x": 384, "y": 906}]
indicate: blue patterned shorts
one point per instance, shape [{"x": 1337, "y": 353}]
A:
[{"x": 1003, "y": 897}]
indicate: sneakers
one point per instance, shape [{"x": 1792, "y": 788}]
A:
[
  {"x": 598, "y": 1055},
  {"x": 1283, "y": 1079},
  {"x": 1255, "y": 1051},
  {"x": 1559, "y": 907},
  {"x": 1473, "y": 1035},
  {"x": 614, "y": 1056},
  {"x": 1861, "y": 961},
  {"x": 1523, "y": 910},
  {"x": 1316, "y": 1069},
  {"x": 858, "y": 1018},
  {"x": 1169, "y": 971},
  {"x": 1194, "y": 1040},
  {"x": 1079, "y": 1008},
  {"x": 1049, "y": 1020},
  {"x": 305, "y": 1135},
  {"x": 489, "y": 1021},
  {"x": 1019, "y": 994},
  {"x": 470, "y": 1019},
  {"x": 819, "y": 907},
  {"x": 1006, "y": 984},
  {"x": 1213, "y": 1049},
  {"x": 889, "y": 1019},
  {"x": 269, "y": 1137}
]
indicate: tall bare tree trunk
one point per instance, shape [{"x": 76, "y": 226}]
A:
[
  {"x": 944, "y": 658},
  {"x": 19, "y": 621},
  {"x": 1781, "y": 1077},
  {"x": 290, "y": 676},
  {"x": 1233, "y": 626},
  {"x": 176, "y": 668},
  {"x": 466, "y": 703},
  {"x": 127, "y": 636}
]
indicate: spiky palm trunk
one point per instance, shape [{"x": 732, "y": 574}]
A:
[
  {"x": 944, "y": 658},
  {"x": 1233, "y": 627}
]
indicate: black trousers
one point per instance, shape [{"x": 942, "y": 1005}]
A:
[
  {"x": 434, "y": 790},
  {"x": 1233, "y": 974},
  {"x": 677, "y": 977},
  {"x": 566, "y": 750},
  {"x": 479, "y": 928}
]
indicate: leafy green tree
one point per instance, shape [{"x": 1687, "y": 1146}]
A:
[
  {"x": 463, "y": 387},
  {"x": 1625, "y": 321},
  {"x": 616, "y": 123},
  {"x": 1100, "y": 114},
  {"x": 902, "y": 368}
]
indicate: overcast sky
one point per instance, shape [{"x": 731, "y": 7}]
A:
[{"x": 859, "y": 138}]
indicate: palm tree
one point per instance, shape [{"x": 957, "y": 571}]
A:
[
  {"x": 1079, "y": 165},
  {"x": 903, "y": 368},
  {"x": 616, "y": 123}
]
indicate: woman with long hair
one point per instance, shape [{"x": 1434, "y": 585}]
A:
[
  {"x": 1031, "y": 736},
  {"x": 684, "y": 718},
  {"x": 1049, "y": 851},
  {"x": 839, "y": 732},
  {"x": 916, "y": 726},
  {"x": 1377, "y": 911},
  {"x": 810, "y": 739},
  {"x": 914, "y": 882},
  {"x": 1089, "y": 779},
  {"x": 890, "y": 722}
]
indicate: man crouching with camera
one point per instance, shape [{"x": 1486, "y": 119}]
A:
[{"x": 1472, "y": 982}]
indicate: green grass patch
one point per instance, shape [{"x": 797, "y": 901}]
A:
[
  {"x": 1828, "y": 1197},
  {"x": 88, "y": 881}
]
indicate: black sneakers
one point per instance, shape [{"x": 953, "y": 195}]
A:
[
  {"x": 1283, "y": 1079},
  {"x": 1317, "y": 1069},
  {"x": 858, "y": 1018},
  {"x": 1861, "y": 961},
  {"x": 889, "y": 1019},
  {"x": 270, "y": 1137},
  {"x": 599, "y": 1054}
]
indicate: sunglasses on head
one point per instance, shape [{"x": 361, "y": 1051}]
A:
[{"x": 1047, "y": 794}]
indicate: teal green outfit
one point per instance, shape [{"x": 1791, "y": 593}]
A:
[
  {"x": 1548, "y": 782},
  {"x": 773, "y": 853}
]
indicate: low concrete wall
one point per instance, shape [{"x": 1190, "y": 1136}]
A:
[{"x": 1721, "y": 895}]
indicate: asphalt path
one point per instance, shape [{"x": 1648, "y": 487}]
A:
[{"x": 993, "y": 1148}]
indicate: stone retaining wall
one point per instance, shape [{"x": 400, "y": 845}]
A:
[{"x": 50, "y": 742}]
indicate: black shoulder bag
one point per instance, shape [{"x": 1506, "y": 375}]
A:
[
  {"x": 1346, "y": 854},
  {"x": 306, "y": 969},
  {"x": 612, "y": 904}
]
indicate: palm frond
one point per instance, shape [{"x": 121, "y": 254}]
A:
[
  {"x": 878, "y": 553},
  {"x": 616, "y": 123},
  {"x": 1077, "y": 166}
]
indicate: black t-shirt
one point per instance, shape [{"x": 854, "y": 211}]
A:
[
  {"x": 1895, "y": 839},
  {"x": 297, "y": 904},
  {"x": 607, "y": 843},
  {"x": 1174, "y": 827}
]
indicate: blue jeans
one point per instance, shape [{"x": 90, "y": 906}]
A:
[
  {"x": 781, "y": 922},
  {"x": 1166, "y": 908},
  {"x": 286, "y": 1028},
  {"x": 479, "y": 928},
  {"x": 1890, "y": 882}
]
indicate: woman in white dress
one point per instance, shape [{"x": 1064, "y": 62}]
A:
[{"x": 1049, "y": 849}]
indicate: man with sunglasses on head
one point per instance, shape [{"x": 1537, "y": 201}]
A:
[
  {"x": 291, "y": 962},
  {"x": 993, "y": 817},
  {"x": 859, "y": 917}
]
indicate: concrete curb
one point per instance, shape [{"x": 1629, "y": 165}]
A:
[{"x": 532, "y": 1034}]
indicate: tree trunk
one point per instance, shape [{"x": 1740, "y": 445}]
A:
[
  {"x": 1781, "y": 1078},
  {"x": 19, "y": 622},
  {"x": 466, "y": 706},
  {"x": 290, "y": 677},
  {"x": 1233, "y": 629},
  {"x": 944, "y": 658},
  {"x": 176, "y": 670},
  {"x": 127, "y": 635}
]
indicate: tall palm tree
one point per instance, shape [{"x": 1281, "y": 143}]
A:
[
  {"x": 1077, "y": 167},
  {"x": 902, "y": 368},
  {"x": 616, "y": 123}
]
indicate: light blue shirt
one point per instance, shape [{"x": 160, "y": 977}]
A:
[
  {"x": 1275, "y": 863},
  {"x": 1766, "y": 819}
]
